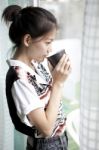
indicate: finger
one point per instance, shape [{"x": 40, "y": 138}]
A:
[
  {"x": 67, "y": 67},
  {"x": 65, "y": 62},
  {"x": 61, "y": 61}
]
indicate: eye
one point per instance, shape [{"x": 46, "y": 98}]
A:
[{"x": 49, "y": 42}]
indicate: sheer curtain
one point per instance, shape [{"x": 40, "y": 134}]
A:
[
  {"x": 89, "y": 124},
  {"x": 10, "y": 139}
]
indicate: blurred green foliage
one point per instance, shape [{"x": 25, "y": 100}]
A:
[{"x": 68, "y": 106}]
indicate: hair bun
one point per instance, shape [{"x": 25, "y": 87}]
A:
[{"x": 11, "y": 12}]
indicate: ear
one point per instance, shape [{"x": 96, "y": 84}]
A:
[{"x": 27, "y": 40}]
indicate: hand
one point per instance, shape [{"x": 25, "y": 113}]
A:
[{"x": 62, "y": 70}]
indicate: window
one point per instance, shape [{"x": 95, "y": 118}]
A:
[{"x": 69, "y": 14}]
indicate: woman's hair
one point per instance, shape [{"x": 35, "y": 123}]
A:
[{"x": 35, "y": 21}]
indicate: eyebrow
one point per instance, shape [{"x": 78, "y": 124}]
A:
[{"x": 50, "y": 39}]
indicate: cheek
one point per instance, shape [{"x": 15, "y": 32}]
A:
[
  {"x": 38, "y": 53},
  {"x": 43, "y": 51},
  {"x": 39, "y": 50}
]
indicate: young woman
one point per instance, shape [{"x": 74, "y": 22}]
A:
[{"x": 33, "y": 92}]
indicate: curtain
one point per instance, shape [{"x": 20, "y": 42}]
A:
[{"x": 89, "y": 112}]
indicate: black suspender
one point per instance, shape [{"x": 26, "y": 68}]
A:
[{"x": 21, "y": 127}]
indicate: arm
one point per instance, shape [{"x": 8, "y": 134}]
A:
[{"x": 45, "y": 120}]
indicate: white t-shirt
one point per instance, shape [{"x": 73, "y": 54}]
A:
[{"x": 32, "y": 90}]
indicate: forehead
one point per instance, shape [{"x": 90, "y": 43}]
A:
[{"x": 50, "y": 35}]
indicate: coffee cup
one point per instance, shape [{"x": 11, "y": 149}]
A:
[{"x": 54, "y": 59}]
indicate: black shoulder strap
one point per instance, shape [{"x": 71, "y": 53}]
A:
[{"x": 21, "y": 127}]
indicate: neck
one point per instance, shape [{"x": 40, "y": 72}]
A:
[{"x": 21, "y": 55}]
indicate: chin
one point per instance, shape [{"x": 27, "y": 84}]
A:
[{"x": 41, "y": 59}]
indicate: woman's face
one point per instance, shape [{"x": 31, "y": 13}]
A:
[{"x": 41, "y": 47}]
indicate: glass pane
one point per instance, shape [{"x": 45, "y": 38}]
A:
[
  {"x": 69, "y": 14},
  {"x": 10, "y": 139},
  {"x": 18, "y": 2}
]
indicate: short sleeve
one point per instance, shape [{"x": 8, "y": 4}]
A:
[{"x": 25, "y": 97}]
